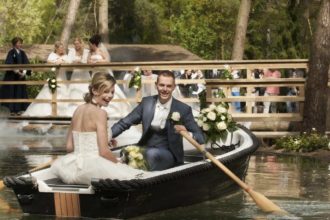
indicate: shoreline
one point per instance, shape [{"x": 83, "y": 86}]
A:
[{"x": 321, "y": 154}]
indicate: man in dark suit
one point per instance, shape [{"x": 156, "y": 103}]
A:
[
  {"x": 160, "y": 136},
  {"x": 15, "y": 56}
]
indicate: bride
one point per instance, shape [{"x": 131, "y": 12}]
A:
[
  {"x": 58, "y": 56},
  {"x": 87, "y": 139}
]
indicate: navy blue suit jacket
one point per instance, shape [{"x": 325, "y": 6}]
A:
[{"x": 144, "y": 113}]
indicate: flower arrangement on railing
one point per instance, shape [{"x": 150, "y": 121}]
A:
[
  {"x": 216, "y": 122},
  {"x": 218, "y": 93},
  {"x": 136, "y": 80},
  {"x": 52, "y": 84},
  {"x": 226, "y": 74},
  {"x": 133, "y": 156}
]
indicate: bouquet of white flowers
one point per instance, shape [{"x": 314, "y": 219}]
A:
[
  {"x": 216, "y": 122},
  {"x": 52, "y": 84},
  {"x": 136, "y": 80},
  {"x": 133, "y": 156}
]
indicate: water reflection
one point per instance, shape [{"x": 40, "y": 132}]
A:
[{"x": 298, "y": 185}]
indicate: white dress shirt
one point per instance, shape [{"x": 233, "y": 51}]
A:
[{"x": 161, "y": 114}]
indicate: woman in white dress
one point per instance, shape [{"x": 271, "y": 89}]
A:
[
  {"x": 87, "y": 140},
  {"x": 58, "y": 56},
  {"x": 99, "y": 54},
  {"x": 147, "y": 89},
  {"x": 77, "y": 55}
]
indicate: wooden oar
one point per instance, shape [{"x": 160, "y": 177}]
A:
[
  {"x": 264, "y": 203},
  {"x": 40, "y": 167}
]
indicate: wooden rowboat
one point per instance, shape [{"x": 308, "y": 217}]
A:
[{"x": 195, "y": 181}]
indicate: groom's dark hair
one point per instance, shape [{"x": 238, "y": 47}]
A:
[{"x": 166, "y": 73}]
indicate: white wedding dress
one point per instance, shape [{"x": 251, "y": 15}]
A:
[
  {"x": 75, "y": 91},
  {"x": 85, "y": 163},
  {"x": 45, "y": 109}
]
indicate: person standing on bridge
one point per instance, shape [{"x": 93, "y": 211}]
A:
[
  {"x": 271, "y": 90},
  {"x": 15, "y": 56}
]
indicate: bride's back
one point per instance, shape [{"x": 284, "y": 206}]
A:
[{"x": 84, "y": 118}]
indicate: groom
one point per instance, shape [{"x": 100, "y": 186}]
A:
[{"x": 164, "y": 145}]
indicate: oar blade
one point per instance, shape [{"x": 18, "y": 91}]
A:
[{"x": 265, "y": 204}]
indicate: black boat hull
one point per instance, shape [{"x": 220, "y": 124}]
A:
[
  {"x": 190, "y": 184},
  {"x": 197, "y": 187}
]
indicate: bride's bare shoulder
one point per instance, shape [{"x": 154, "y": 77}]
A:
[{"x": 92, "y": 110}]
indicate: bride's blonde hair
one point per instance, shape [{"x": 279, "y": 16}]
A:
[{"x": 100, "y": 82}]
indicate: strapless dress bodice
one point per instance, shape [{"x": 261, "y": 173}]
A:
[{"x": 85, "y": 142}]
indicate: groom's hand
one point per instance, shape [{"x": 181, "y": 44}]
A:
[{"x": 179, "y": 128}]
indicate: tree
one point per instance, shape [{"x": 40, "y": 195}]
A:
[
  {"x": 121, "y": 20},
  {"x": 205, "y": 27},
  {"x": 103, "y": 20},
  {"x": 147, "y": 22},
  {"x": 317, "y": 79},
  {"x": 25, "y": 18},
  {"x": 241, "y": 27},
  {"x": 280, "y": 29},
  {"x": 69, "y": 21}
]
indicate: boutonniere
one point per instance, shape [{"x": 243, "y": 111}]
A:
[
  {"x": 136, "y": 80},
  {"x": 175, "y": 118}
]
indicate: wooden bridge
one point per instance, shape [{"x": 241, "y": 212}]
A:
[{"x": 247, "y": 82}]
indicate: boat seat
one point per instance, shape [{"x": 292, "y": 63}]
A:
[{"x": 56, "y": 182}]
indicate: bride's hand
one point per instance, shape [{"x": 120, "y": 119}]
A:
[{"x": 113, "y": 143}]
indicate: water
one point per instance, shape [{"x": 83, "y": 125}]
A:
[{"x": 298, "y": 185}]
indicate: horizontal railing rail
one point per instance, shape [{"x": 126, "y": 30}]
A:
[{"x": 248, "y": 84}]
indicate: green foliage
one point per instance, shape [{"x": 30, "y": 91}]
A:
[
  {"x": 205, "y": 27},
  {"x": 305, "y": 142},
  {"x": 25, "y": 18},
  {"x": 134, "y": 21},
  {"x": 121, "y": 21},
  {"x": 279, "y": 30},
  {"x": 147, "y": 18}
]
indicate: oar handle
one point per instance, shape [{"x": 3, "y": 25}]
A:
[
  {"x": 201, "y": 148},
  {"x": 42, "y": 166}
]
